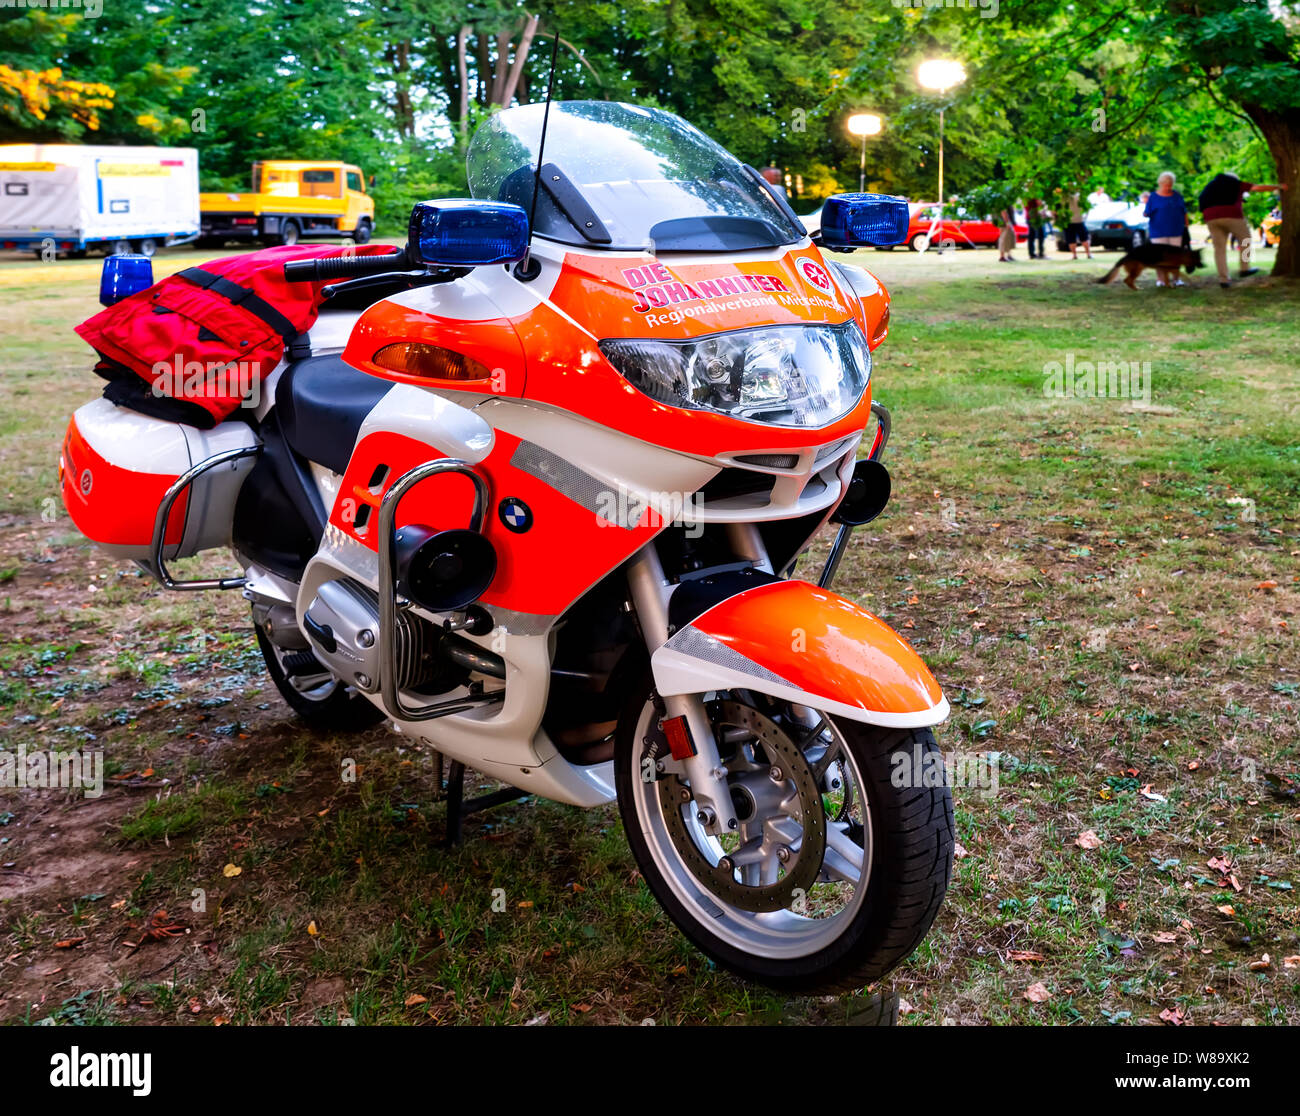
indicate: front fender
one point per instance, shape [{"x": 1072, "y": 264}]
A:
[{"x": 800, "y": 643}]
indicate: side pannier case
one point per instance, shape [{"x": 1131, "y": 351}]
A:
[{"x": 116, "y": 466}]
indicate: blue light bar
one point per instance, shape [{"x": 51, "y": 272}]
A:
[
  {"x": 462, "y": 232},
  {"x": 862, "y": 220},
  {"x": 124, "y": 276}
]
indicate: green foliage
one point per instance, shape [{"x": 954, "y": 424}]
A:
[{"x": 1058, "y": 97}]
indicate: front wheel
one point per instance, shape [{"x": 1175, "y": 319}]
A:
[
  {"x": 290, "y": 233},
  {"x": 834, "y": 874}
]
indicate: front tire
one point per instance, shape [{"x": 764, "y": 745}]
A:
[
  {"x": 363, "y": 231},
  {"x": 290, "y": 233},
  {"x": 842, "y": 932}
]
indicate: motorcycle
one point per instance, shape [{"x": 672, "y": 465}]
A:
[{"x": 535, "y": 489}]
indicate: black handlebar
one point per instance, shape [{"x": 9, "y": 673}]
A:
[{"x": 341, "y": 267}]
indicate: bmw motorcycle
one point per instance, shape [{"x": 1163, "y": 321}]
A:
[{"x": 534, "y": 489}]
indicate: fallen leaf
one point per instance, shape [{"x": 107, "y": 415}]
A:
[
  {"x": 312, "y": 929},
  {"x": 69, "y": 943},
  {"x": 1164, "y": 937},
  {"x": 231, "y": 870},
  {"x": 1262, "y": 965},
  {"x": 959, "y": 851},
  {"x": 196, "y": 1005},
  {"x": 584, "y": 1008},
  {"x": 1173, "y": 1016},
  {"x": 1221, "y": 864},
  {"x": 525, "y": 903},
  {"x": 1088, "y": 840},
  {"x": 415, "y": 998},
  {"x": 1037, "y": 993},
  {"x": 1226, "y": 909},
  {"x": 220, "y": 1020},
  {"x": 1025, "y": 955},
  {"x": 1147, "y": 792},
  {"x": 1292, "y": 962}
]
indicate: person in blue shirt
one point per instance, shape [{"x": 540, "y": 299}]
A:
[{"x": 1166, "y": 214}]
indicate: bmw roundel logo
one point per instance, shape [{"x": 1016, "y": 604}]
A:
[{"x": 515, "y": 515}]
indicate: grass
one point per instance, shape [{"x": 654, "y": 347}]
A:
[{"x": 1106, "y": 587}]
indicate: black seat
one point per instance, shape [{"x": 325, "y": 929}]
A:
[{"x": 322, "y": 403}]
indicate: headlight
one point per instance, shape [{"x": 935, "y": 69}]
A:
[{"x": 781, "y": 375}]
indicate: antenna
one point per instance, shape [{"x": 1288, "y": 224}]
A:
[{"x": 527, "y": 268}]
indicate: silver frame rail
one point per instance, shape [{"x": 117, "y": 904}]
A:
[
  {"x": 157, "y": 565},
  {"x": 389, "y": 602}
]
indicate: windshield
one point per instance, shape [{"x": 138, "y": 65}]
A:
[{"x": 625, "y": 177}]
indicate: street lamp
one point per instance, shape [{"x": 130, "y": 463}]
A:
[
  {"x": 864, "y": 124},
  {"x": 940, "y": 74}
]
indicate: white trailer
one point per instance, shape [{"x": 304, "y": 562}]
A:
[{"x": 66, "y": 198}]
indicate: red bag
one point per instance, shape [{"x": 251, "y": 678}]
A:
[{"x": 196, "y": 345}]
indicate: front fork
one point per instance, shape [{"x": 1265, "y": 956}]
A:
[{"x": 707, "y": 775}]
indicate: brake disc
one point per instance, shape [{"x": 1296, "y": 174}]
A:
[{"x": 781, "y": 805}]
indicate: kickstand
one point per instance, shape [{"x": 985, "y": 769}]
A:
[{"x": 458, "y": 808}]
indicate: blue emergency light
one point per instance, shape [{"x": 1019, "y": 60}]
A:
[
  {"x": 463, "y": 232},
  {"x": 864, "y": 220},
  {"x": 124, "y": 276}
]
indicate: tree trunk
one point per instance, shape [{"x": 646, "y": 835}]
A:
[
  {"x": 398, "y": 57},
  {"x": 521, "y": 57},
  {"x": 1282, "y": 134},
  {"x": 483, "y": 64},
  {"x": 462, "y": 73},
  {"x": 500, "y": 68}
]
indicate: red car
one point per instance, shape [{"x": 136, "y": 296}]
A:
[{"x": 958, "y": 226}]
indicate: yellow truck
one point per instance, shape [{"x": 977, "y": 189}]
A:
[{"x": 291, "y": 199}]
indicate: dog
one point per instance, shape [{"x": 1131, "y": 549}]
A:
[{"x": 1164, "y": 256}]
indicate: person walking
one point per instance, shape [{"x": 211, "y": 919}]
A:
[
  {"x": 1221, "y": 210},
  {"x": 1007, "y": 237},
  {"x": 1076, "y": 232},
  {"x": 1166, "y": 214},
  {"x": 1036, "y": 219}
]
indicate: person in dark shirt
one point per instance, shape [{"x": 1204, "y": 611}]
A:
[
  {"x": 1036, "y": 219},
  {"x": 1166, "y": 214},
  {"x": 1223, "y": 215}
]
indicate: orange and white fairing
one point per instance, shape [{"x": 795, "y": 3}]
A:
[
  {"x": 540, "y": 339},
  {"x": 804, "y": 644},
  {"x": 558, "y": 409}
]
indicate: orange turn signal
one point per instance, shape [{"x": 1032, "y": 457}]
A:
[
  {"x": 430, "y": 362},
  {"x": 881, "y": 328}
]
